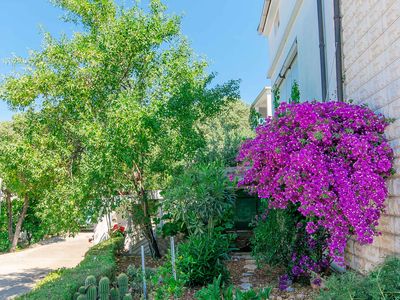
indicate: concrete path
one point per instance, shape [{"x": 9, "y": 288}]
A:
[{"x": 20, "y": 271}]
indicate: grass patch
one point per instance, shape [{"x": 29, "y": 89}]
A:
[
  {"x": 382, "y": 283},
  {"x": 62, "y": 284}
]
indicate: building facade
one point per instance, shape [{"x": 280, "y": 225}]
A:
[
  {"x": 342, "y": 50},
  {"x": 263, "y": 103}
]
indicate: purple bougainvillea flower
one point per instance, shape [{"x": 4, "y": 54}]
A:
[{"x": 331, "y": 160}]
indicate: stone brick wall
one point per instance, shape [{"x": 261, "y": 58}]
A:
[{"x": 371, "y": 58}]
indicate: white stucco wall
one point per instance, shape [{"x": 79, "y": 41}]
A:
[{"x": 299, "y": 22}]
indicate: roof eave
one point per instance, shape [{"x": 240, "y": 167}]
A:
[{"x": 264, "y": 15}]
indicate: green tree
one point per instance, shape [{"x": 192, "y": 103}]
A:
[
  {"x": 125, "y": 96},
  {"x": 225, "y": 132},
  {"x": 28, "y": 167}
]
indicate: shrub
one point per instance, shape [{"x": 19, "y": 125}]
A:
[
  {"x": 280, "y": 238},
  {"x": 200, "y": 197},
  {"x": 216, "y": 291},
  {"x": 274, "y": 236},
  {"x": 99, "y": 261},
  {"x": 135, "y": 275},
  {"x": 202, "y": 258},
  {"x": 328, "y": 159},
  {"x": 164, "y": 283},
  {"x": 382, "y": 283}
]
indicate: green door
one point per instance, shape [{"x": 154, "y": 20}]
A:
[{"x": 246, "y": 208}]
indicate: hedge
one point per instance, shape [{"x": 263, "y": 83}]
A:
[{"x": 63, "y": 283}]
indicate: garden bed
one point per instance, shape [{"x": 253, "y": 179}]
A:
[{"x": 263, "y": 277}]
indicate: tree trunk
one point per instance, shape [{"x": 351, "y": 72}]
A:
[
  {"x": 9, "y": 216},
  {"x": 19, "y": 224},
  {"x": 146, "y": 217},
  {"x": 149, "y": 233}
]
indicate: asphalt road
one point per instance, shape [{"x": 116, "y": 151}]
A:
[{"x": 20, "y": 271}]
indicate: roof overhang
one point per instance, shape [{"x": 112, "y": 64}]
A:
[
  {"x": 265, "y": 90},
  {"x": 264, "y": 15}
]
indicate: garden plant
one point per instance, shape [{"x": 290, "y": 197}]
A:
[{"x": 326, "y": 162}]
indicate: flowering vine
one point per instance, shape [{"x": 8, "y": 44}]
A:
[{"x": 330, "y": 160}]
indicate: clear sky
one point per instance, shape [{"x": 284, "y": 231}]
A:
[{"x": 224, "y": 31}]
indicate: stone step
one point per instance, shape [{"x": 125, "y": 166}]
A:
[{"x": 245, "y": 286}]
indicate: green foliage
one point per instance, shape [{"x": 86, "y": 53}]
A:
[
  {"x": 217, "y": 290},
  {"x": 382, "y": 283},
  {"x": 164, "y": 283},
  {"x": 124, "y": 98},
  {"x": 198, "y": 198},
  {"x": 276, "y": 97},
  {"x": 274, "y": 237},
  {"x": 254, "y": 118},
  {"x": 135, "y": 276},
  {"x": 202, "y": 258},
  {"x": 98, "y": 261},
  {"x": 224, "y": 133},
  {"x": 295, "y": 93}
]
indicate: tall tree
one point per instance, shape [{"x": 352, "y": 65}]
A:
[{"x": 125, "y": 95}]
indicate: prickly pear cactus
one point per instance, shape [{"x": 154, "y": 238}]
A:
[
  {"x": 91, "y": 293},
  {"x": 82, "y": 297},
  {"x": 123, "y": 281},
  {"x": 114, "y": 294},
  {"x": 104, "y": 288},
  {"x": 90, "y": 280},
  {"x": 127, "y": 297},
  {"x": 82, "y": 290}
]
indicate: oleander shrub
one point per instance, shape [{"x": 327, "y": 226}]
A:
[
  {"x": 199, "y": 198},
  {"x": 382, "y": 283},
  {"x": 328, "y": 159},
  {"x": 202, "y": 257}
]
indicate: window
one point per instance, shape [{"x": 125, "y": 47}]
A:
[{"x": 291, "y": 75}]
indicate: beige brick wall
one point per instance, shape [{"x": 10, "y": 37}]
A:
[{"x": 371, "y": 58}]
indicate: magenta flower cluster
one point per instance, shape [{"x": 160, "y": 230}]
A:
[{"x": 331, "y": 160}]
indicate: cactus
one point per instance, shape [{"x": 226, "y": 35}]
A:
[
  {"x": 123, "y": 283},
  {"x": 82, "y": 297},
  {"x": 82, "y": 290},
  {"x": 76, "y": 295},
  {"x": 127, "y": 297},
  {"x": 114, "y": 294},
  {"x": 90, "y": 280},
  {"x": 91, "y": 293},
  {"x": 104, "y": 288}
]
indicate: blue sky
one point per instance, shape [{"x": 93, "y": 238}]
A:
[{"x": 223, "y": 31}]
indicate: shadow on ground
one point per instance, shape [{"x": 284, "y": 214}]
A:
[{"x": 19, "y": 283}]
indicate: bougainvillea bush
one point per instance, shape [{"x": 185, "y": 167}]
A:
[{"x": 328, "y": 159}]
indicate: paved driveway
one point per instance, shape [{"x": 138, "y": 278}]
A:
[{"x": 20, "y": 271}]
